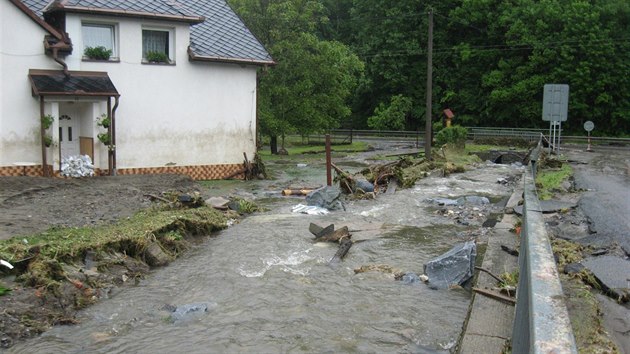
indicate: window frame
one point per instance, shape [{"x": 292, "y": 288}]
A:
[
  {"x": 114, "y": 38},
  {"x": 170, "y": 43}
]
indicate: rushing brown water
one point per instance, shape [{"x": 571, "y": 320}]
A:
[{"x": 270, "y": 289}]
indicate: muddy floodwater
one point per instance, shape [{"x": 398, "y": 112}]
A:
[{"x": 269, "y": 288}]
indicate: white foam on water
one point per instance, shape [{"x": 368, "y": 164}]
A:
[{"x": 289, "y": 263}]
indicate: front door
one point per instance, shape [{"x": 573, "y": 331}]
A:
[{"x": 69, "y": 134}]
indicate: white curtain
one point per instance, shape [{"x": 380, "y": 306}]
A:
[
  {"x": 98, "y": 36},
  {"x": 154, "y": 41}
]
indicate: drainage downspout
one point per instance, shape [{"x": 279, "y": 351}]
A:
[
  {"x": 42, "y": 133},
  {"x": 113, "y": 136},
  {"x": 55, "y": 53}
]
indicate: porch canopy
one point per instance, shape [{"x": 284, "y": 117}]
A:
[{"x": 76, "y": 83}]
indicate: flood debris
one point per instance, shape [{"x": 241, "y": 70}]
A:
[
  {"x": 218, "y": 203},
  {"x": 309, "y": 210},
  {"x": 328, "y": 197},
  {"x": 496, "y": 295},
  {"x": 251, "y": 169},
  {"x": 344, "y": 246},
  {"x": 297, "y": 191},
  {"x": 383, "y": 268},
  {"x": 77, "y": 166},
  {"x": 319, "y": 231},
  {"x": 454, "y": 267},
  {"x": 329, "y": 234},
  {"x": 384, "y": 178}
]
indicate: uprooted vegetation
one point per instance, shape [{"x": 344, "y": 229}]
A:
[
  {"x": 405, "y": 171},
  {"x": 65, "y": 269}
]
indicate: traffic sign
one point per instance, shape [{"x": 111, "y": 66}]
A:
[
  {"x": 555, "y": 103},
  {"x": 589, "y": 126}
]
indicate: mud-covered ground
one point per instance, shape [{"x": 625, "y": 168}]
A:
[
  {"x": 30, "y": 205},
  {"x": 33, "y": 204}
]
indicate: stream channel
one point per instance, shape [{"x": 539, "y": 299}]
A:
[{"x": 270, "y": 289}]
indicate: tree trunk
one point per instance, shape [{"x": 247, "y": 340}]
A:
[{"x": 274, "y": 144}]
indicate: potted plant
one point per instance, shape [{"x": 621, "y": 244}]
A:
[
  {"x": 48, "y": 141},
  {"x": 104, "y": 138},
  {"x": 97, "y": 53},
  {"x": 47, "y": 121},
  {"x": 156, "y": 57},
  {"x": 103, "y": 121}
]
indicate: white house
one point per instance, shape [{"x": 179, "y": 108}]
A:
[{"x": 179, "y": 86}]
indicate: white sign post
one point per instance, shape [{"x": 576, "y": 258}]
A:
[
  {"x": 555, "y": 109},
  {"x": 589, "y": 126}
]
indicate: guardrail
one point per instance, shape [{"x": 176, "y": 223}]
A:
[
  {"x": 346, "y": 136},
  {"x": 541, "y": 323}
]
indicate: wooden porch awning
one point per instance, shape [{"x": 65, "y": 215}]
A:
[{"x": 76, "y": 83}]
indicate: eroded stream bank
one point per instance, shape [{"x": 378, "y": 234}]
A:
[{"x": 268, "y": 287}]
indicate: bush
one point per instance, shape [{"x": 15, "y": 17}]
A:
[
  {"x": 97, "y": 53},
  {"x": 454, "y": 136}
]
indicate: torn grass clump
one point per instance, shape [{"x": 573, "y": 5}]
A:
[{"x": 39, "y": 256}]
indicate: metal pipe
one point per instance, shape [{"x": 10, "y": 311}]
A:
[
  {"x": 113, "y": 136},
  {"x": 42, "y": 133},
  {"x": 55, "y": 52}
]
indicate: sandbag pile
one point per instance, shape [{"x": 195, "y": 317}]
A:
[{"x": 77, "y": 166}]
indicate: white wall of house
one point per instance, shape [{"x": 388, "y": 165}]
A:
[
  {"x": 189, "y": 113},
  {"x": 21, "y": 48}
]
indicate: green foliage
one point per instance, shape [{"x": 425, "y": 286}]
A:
[
  {"x": 65, "y": 244},
  {"x": 47, "y": 121},
  {"x": 97, "y": 53},
  {"x": 549, "y": 180},
  {"x": 104, "y": 138},
  {"x": 308, "y": 90},
  {"x": 491, "y": 60},
  {"x": 4, "y": 290},
  {"x": 393, "y": 116},
  {"x": 48, "y": 140},
  {"x": 156, "y": 57},
  {"x": 103, "y": 121},
  {"x": 454, "y": 135}
]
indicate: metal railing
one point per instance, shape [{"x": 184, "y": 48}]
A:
[
  {"x": 541, "y": 323},
  {"x": 346, "y": 136}
]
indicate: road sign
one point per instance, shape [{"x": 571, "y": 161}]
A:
[
  {"x": 555, "y": 103},
  {"x": 589, "y": 126}
]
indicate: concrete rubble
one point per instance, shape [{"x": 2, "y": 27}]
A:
[{"x": 77, "y": 166}]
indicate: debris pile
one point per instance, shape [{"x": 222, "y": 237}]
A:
[
  {"x": 77, "y": 166},
  {"x": 466, "y": 210}
]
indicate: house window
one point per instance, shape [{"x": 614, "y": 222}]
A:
[
  {"x": 95, "y": 38},
  {"x": 157, "y": 46}
]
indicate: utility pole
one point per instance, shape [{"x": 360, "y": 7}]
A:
[{"x": 428, "y": 128}]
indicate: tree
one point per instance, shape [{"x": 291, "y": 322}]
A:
[
  {"x": 309, "y": 88},
  {"x": 392, "y": 116}
]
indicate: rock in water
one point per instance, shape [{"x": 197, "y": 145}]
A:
[
  {"x": 185, "y": 311},
  {"x": 325, "y": 197},
  {"x": 454, "y": 267}
]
